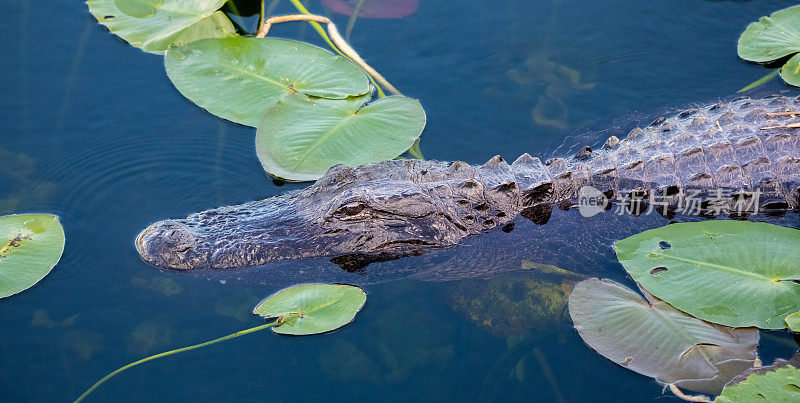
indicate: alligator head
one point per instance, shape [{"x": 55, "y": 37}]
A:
[{"x": 353, "y": 215}]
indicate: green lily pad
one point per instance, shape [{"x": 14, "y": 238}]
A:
[
  {"x": 300, "y": 138},
  {"x": 790, "y": 72},
  {"x": 656, "y": 340},
  {"x": 772, "y": 38},
  {"x": 780, "y": 385},
  {"x": 30, "y": 246},
  {"x": 793, "y": 321},
  {"x": 312, "y": 308},
  {"x": 715, "y": 270},
  {"x": 240, "y": 79},
  {"x": 153, "y": 25}
]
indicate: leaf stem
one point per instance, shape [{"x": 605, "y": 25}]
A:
[
  {"x": 335, "y": 44},
  {"x": 261, "y": 14},
  {"x": 171, "y": 352}
]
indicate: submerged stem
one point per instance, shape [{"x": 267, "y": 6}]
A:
[
  {"x": 352, "y": 21},
  {"x": 761, "y": 81},
  {"x": 171, "y": 352}
]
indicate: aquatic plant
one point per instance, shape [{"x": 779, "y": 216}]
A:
[
  {"x": 771, "y": 39},
  {"x": 712, "y": 272},
  {"x": 656, "y": 340},
  {"x": 779, "y": 385},
  {"x": 300, "y": 137},
  {"x": 514, "y": 303},
  {"x": 153, "y": 25},
  {"x": 793, "y": 321},
  {"x": 311, "y": 106},
  {"x": 715, "y": 270},
  {"x": 30, "y": 246},
  {"x": 306, "y": 309}
]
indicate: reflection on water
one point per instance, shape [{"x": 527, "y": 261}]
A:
[{"x": 94, "y": 132}]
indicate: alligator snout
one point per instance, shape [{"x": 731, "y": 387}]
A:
[{"x": 171, "y": 244}]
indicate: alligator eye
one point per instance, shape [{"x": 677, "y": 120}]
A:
[{"x": 353, "y": 208}]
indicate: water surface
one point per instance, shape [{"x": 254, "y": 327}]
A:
[{"x": 94, "y": 132}]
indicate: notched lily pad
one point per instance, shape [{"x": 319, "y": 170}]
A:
[
  {"x": 714, "y": 270},
  {"x": 772, "y": 38},
  {"x": 240, "y": 79},
  {"x": 30, "y": 246},
  {"x": 780, "y": 385},
  {"x": 654, "y": 339},
  {"x": 153, "y": 25},
  {"x": 301, "y": 138},
  {"x": 312, "y": 308}
]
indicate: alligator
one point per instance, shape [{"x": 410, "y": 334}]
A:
[{"x": 355, "y": 216}]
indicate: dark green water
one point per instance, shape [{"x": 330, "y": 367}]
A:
[{"x": 93, "y": 131}]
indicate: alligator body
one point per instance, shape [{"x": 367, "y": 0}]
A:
[{"x": 382, "y": 211}]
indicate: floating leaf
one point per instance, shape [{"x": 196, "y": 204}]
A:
[
  {"x": 793, "y": 321},
  {"x": 654, "y": 339},
  {"x": 240, "y": 78},
  {"x": 312, "y": 308},
  {"x": 790, "y": 72},
  {"x": 300, "y": 138},
  {"x": 772, "y": 38},
  {"x": 301, "y": 310},
  {"x": 714, "y": 270},
  {"x": 30, "y": 246},
  {"x": 780, "y": 385},
  {"x": 153, "y": 25}
]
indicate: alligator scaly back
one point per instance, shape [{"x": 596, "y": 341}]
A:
[{"x": 398, "y": 208}]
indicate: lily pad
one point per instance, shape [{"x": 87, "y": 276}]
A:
[
  {"x": 153, "y": 25},
  {"x": 300, "y": 138},
  {"x": 240, "y": 79},
  {"x": 793, "y": 321},
  {"x": 312, "y": 308},
  {"x": 772, "y": 38},
  {"x": 654, "y": 339},
  {"x": 30, "y": 246},
  {"x": 780, "y": 385},
  {"x": 715, "y": 270}
]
